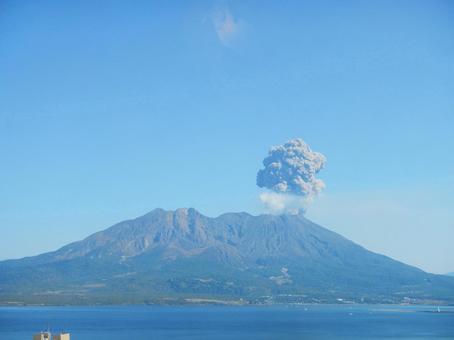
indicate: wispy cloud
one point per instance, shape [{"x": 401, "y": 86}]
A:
[
  {"x": 398, "y": 222},
  {"x": 226, "y": 25}
]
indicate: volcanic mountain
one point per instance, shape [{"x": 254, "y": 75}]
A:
[{"x": 183, "y": 256}]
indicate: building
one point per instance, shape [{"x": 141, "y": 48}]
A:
[
  {"x": 42, "y": 336},
  {"x": 47, "y": 336}
]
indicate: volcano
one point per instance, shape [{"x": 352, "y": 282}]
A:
[{"x": 183, "y": 256}]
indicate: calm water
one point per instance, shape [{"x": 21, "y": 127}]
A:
[{"x": 276, "y": 322}]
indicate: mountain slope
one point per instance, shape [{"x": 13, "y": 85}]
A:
[{"x": 172, "y": 256}]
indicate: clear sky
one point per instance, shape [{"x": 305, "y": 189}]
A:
[{"x": 109, "y": 109}]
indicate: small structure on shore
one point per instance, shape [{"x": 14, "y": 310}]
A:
[
  {"x": 42, "y": 336},
  {"x": 47, "y": 336}
]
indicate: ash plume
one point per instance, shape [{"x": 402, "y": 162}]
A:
[{"x": 290, "y": 173}]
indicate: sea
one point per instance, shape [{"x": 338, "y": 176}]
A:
[{"x": 228, "y": 322}]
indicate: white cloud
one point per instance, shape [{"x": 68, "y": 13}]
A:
[
  {"x": 226, "y": 25},
  {"x": 281, "y": 203}
]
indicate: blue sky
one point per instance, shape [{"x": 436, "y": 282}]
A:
[{"x": 110, "y": 109}]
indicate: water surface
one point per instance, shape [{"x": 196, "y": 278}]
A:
[{"x": 212, "y": 322}]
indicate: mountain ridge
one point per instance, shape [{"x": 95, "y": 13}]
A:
[{"x": 180, "y": 255}]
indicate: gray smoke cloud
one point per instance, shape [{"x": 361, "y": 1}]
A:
[{"x": 290, "y": 172}]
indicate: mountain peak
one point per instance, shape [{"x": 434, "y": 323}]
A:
[{"x": 178, "y": 211}]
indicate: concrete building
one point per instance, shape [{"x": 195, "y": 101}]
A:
[
  {"x": 47, "y": 336},
  {"x": 42, "y": 336}
]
